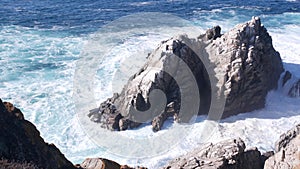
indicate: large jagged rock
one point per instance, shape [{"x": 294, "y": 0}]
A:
[
  {"x": 252, "y": 66},
  {"x": 20, "y": 141},
  {"x": 229, "y": 154},
  {"x": 287, "y": 150},
  {"x": 241, "y": 66}
]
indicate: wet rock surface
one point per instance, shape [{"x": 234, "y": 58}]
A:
[{"x": 240, "y": 65}]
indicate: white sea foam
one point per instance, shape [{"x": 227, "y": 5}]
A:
[
  {"x": 143, "y": 3},
  {"x": 37, "y": 75}
]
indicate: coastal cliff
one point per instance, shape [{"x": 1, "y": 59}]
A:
[{"x": 20, "y": 141}]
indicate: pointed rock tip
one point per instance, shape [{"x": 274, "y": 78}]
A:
[{"x": 256, "y": 20}]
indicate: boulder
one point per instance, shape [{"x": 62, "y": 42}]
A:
[
  {"x": 102, "y": 163},
  {"x": 21, "y": 143},
  {"x": 287, "y": 150},
  {"x": 228, "y": 154},
  {"x": 127, "y": 167},
  {"x": 99, "y": 163},
  {"x": 187, "y": 76}
]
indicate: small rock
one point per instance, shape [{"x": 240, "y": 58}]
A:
[{"x": 99, "y": 163}]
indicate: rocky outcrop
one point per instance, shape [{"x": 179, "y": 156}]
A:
[
  {"x": 291, "y": 84},
  {"x": 102, "y": 163},
  {"x": 287, "y": 150},
  {"x": 20, "y": 141},
  {"x": 99, "y": 163},
  {"x": 186, "y": 76},
  {"x": 229, "y": 154},
  {"x": 253, "y": 67}
]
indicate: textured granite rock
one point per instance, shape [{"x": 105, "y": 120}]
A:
[
  {"x": 287, "y": 150},
  {"x": 251, "y": 64},
  {"x": 229, "y": 154},
  {"x": 240, "y": 65}
]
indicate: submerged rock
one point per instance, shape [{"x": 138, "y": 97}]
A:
[
  {"x": 21, "y": 142},
  {"x": 241, "y": 66},
  {"x": 287, "y": 150},
  {"x": 229, "y": 154}
]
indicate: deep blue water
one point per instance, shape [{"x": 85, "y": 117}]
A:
[{"x": 79, "y": 17}]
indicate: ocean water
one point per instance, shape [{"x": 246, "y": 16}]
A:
[{"x": 41, "y": 42}]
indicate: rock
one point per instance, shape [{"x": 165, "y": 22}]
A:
[
  {"x": 266, "y": 155},
  {"x": 253, "y": 66},
  {"x": 229, "y": 154},
  {"x": 295, "y": 89},
  {"x": 20, "y": 141},
  {"x": 287, "y": 137},
  {"x": 190, "y": 73},
  {"x": 99, "y": 163},
  {"x": 159, "y": 120},
  {"x": 287, "y": 149},
  {"x": 286, "y": 77},
  {"x": 13, "y": 110},
  {"x": 291, "y": 84},
  {"x": 127, "y": 167},
  {"x": 212, "y": 34},
  {"x": 107, "y": 115}
]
